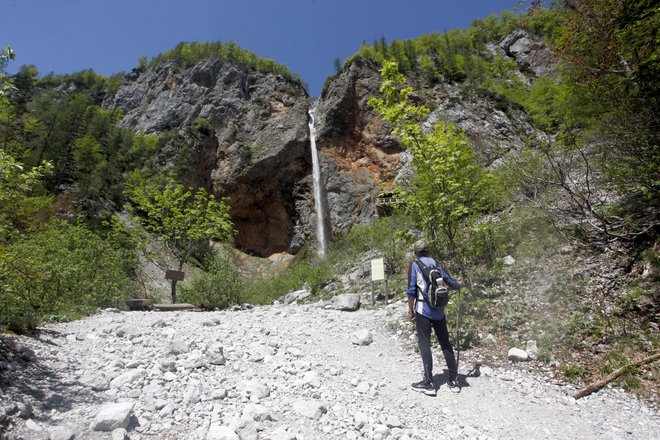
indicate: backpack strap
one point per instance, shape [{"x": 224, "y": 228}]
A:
[{"x": 425, "y": 273}]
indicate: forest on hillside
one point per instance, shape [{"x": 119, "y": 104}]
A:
[{"x": 82, "y": 197}]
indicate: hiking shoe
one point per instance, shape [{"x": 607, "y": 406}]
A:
[
  {"x": 454, "y": 385},
  {"x": 425, "y": 386}
]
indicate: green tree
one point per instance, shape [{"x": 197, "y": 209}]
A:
[
  {"x": 185, "y": 218},
  {"x": 61, "y": 270},
  {"x": 448, "y": 185},
  {"x": 20, "y": 199}
]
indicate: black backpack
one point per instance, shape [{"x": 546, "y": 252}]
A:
[{"x": 438, "y": 294}]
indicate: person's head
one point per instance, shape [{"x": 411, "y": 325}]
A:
[{"x": 420, "y": 248}]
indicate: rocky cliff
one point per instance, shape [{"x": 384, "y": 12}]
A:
[{"x": 248, "y": 138}]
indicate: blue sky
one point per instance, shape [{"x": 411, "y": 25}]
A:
[{"x": 65, "y": 36}]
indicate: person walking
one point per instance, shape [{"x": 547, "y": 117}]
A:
[{"x": 426, "y": 318}]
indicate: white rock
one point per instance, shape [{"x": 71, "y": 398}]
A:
[
  {"x": 191, "y": 396},
  {"x": 532, "y": 349},
  {"x": 382, "y": 430},
  {"x": 196, "y": 360},
  {"x": 34, "y": 426},
  {"x": 312, "y": 379},
  {"x": 487, "y": 371},
  {"x": 112, "y": 416},
  {"x": 247, "y": 430},
  {"x": 169, "y": 376},
  {"x": 215, "y": 355},
  {"x": 220, "y": 432},
  {"x": 509, "y": 260},
  {"x": 393, "y": 421},
  {"x": 219, "y": 394},
  {"x": 310, "y": 409},
  {"x": 292, "y": 297},
  {"x": 61, "y": 433},
  {"x": 119, "y": 434},
  {"x": 95, "y": 382},
  {"x": 363, "y": 387},
  {"x": 282, "y": 433},
  {"x": 131, "y": 377},
  {"x": 517, "y": 355},
  {"x": 177, "y": 347},
  {"x": 167, "y": 410},
  {"x": 362, "y": 337},
  {"x": 360, "y": 419},
  {"x": 254, "y": 389},
  {"x": 347, "y": 302},
  {"x": 293, "y": 351},
  {"x": 257, "y": 412},
  {"x": 24, "y": 410}
]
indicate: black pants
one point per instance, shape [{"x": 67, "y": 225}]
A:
[{"x": 424, "y": 326}]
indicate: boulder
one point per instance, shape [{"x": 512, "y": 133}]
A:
[
  {"x": 221, "y": 432},
  {"x": 346, "y": 302},
  {"x": 532, "y": 56},
  {"x": 517, "y": 355},
  {"x": 310, "y": 409},
  {"x": 61, "y": 433},
  {"x": 178, "y": 346},
  {"x": 532, "y": 349},
  {"x": 294, "y": 296},
  {"x": 362, "y": 337},
  {"x": 112, "y": 416}
]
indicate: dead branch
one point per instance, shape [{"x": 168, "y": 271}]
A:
[{"x": 595, "y": 386}]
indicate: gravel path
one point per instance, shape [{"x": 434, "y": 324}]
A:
[{"x": 280, "y": 373}]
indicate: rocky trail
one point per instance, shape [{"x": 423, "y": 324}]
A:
[{"x": 281, "y": 372}]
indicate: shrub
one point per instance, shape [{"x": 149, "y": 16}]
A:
[
  {"x": 573, "y": 372},
  {"x": 61, "y": 270},
  {"x": 220, "y": 285}
]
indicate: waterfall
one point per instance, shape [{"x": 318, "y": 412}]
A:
[{"x": 318, "y": 188}]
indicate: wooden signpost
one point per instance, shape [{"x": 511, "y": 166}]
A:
[{"x": 177, "y": 275}]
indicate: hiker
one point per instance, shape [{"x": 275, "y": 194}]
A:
[{"x": 426, "y": 318}]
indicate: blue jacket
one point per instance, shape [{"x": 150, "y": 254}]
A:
[{"x": 416, "y": 281}]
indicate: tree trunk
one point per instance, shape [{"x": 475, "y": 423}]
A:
[
  {"x": 174, "y": 291},
  {"x": 595, "y": 386}
]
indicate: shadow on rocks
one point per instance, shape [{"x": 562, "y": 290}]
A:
[
  {"x": 441, "y": 379},
  {"x": 26, "y": 378}
]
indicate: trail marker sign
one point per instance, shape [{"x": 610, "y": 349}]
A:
[{"x": 378, "y": 274}]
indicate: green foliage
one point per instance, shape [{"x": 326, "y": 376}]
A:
[
  {"x": 573, "y": 372},
  {"x": 457, "y": 55},
  {"x": 181, "y": 215},
  {"x": 186, "y": 219},
  {"x": 613, "y": 360},
  {"x": 60, "y": 270},
  {"x": 94, "y": 86},
  {"x": 21, "y": 201},
  {"x": 203, "y": 126},
  {"x": 448, "y": 185},
  {"x": 608, "y": 91},
  {"x": 385, "y": 236},
  {"x": 219, "y": 284},
  {"x": 188, "y": 54},
  {"x": 6, "y": 55},
  {"x": 302, "y": 274}
]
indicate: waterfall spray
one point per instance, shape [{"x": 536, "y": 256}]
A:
[{"x": 318, "y": 188}]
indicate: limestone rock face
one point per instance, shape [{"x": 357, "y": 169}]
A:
[
  {"x": 531, "y": 55},
  {"x": 357, "y": 156},
  {"x": 240, "y": 133}
]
